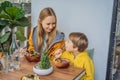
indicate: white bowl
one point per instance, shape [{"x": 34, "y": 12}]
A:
[{"x": 42, "y": 71}]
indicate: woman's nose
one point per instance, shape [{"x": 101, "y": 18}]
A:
[{"x": 51, "y": 26}]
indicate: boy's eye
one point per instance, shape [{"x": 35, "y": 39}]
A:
[{"x": 53, "y": 23}]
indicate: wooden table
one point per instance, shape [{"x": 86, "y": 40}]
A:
[{"x": 58, "y": 74}]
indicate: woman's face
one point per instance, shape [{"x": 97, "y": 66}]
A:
[
  {"x": 69, "y": 46},
  {"x": 49, "y": 24}
]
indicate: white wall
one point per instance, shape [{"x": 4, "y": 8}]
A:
[{"x": 93, "y": 17}]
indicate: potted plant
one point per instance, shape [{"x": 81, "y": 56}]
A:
[
  {"x": 11, "y": 16},
  {"x": 43, "y": 67}
]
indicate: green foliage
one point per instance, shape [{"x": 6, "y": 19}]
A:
[
  {"x": 20, "y": 14},
  {"x": 6, "y": 4},
  {"x": 5, "y": 42},
  {"x": 2, "y": 24},
  {"x": 12, "y": 16},
  {"x": 0, "y": 9},
  {"x": 12, "y": 11},
  {"x": 19, "y": 36},
  {"x": 45, "y": 62},
  {"x": 5, "y": 37}
]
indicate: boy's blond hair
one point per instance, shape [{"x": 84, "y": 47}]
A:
[{"x": 79, "y": 40}]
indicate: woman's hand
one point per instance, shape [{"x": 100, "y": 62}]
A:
[{"x": 22, "y": 51}]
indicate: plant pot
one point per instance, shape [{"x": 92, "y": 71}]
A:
[{"x": 39, "y": 71}]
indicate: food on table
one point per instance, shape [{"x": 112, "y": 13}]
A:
[
  {"x": 61, "y": 63},
  {"x": 32, "y": 56},
  {"x": 30, "y": 77}
]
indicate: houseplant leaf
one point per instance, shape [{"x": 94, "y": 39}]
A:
[
  {"x": 24, "y": 21},
  {"x": 12, "y": 11},
  {"x": 20, "y": 14},
  {"x": 20, "y": 36},
  {"x": 19, "y": 23},
  {"x": 1, "y": 28},
  {"x": 6, "y": 4},
  {"x": 3, "y": 23},
  {"x": 0, "y": 9},
  {"x": 5, "y": 16},
  {"x": 5, "y": 37}
]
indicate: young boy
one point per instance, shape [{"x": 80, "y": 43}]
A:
[{"x": 76, "y": 52}]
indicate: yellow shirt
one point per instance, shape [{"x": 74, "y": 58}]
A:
[{"x": 82, "y": 60}]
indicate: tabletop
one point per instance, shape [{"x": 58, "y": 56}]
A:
[{"x": 69, "y": 73}]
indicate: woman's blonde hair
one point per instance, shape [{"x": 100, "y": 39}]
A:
[
  {"x": 79, "y": 40},
  {"x": 41, "y": 33}
]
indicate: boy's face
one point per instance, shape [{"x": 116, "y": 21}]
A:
[{"x": 69, "y": 45}]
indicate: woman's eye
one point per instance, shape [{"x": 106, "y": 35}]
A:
[{"x": 48, "y": 23}]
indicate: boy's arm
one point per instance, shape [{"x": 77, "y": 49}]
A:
[{"x": 89, "y": 67}]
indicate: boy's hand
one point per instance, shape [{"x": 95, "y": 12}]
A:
[{"x": 58, "y": 53}]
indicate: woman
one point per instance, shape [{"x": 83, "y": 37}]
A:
[{"x": 45, "y": 35}]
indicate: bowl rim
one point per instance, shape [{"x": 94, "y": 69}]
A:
[
  {"x": 64, "y": 59},
  {"x": 42, "y": 71}
]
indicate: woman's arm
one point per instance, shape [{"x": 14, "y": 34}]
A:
[
  {"x": 55, "y": 47},
  {"x": 30, "y": 42}
]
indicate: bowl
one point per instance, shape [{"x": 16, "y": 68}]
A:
[
  {"x": 32, "y": 56},
  {"x": 61, "y": 63},
  {"x": 30, "y": 77},
  {"x": 39, "y": 71},
  {"x": 32, "y": 59}
]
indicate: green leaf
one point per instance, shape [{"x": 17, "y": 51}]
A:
[
  {"x": 6, "y": 4},
  {"x": 5, "y": 16},
  {"x": 14, "y": 23},
  {"x": 20, "y": 14},
  {"x": 5, "y": 37},
  {"x": 20, "y": 36},
  {"x": 3, "y": 23},
  {"x": 20, "y": 23},
  {"x": 1, "y": 28},
  {"x": 0, "y": 9},
  {"x": 24, "y": 22},
  {"x": 12, "y": 11}
]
